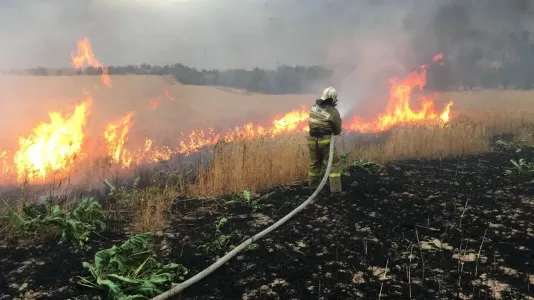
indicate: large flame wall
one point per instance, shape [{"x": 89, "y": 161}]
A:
[{"x": 129, "y": 131}]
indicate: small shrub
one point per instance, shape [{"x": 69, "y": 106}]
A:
[
  {"x": 523, "y": 167},
  {"x": 367, "y": 166},
  {"x": 245, "y": 199},
  {"x": 220, "y": 242},
  {"x": 74, "y": 225},
  {"x": 130, "y": 271},
  {"x": 118, "y": 195}
]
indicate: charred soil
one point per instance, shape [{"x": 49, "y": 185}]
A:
[{"x": 454, "y": 228}]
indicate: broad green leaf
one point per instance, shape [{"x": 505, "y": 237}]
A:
[
  {"x": 114, "y": 290},
  {"x": 17, "y": 221},
  {"x": 133, "y": 297},
  {"x": 123, "y": 279},
  {"x": 165, "y": 278},
  {"x": 137, "y": 241}
]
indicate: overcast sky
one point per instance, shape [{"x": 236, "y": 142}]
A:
[{"x": 249, "y": 33}]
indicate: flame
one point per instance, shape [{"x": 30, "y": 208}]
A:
[
  {"x": 85, "y": 56},
  {"x": 116, "y": 137},
  {"x": 399, "y": 110},
  {"x": 290, "y": 122},
  {"x": 167, "y": 95},
  {"x": 438, "y": 58},
  {"x": 445, "y": 115},
  {"x": 197, "y": 139},
  {"x": 154, "y": 103},
  {"x": 5, "y": 167},
  {"x": 156, "y": 154},
  {"x": 52, "y": 146}
]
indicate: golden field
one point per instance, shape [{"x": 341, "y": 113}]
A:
[{"x": 256, "y": 164}]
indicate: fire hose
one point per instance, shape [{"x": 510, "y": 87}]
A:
[{"x": 182, "y": 286}]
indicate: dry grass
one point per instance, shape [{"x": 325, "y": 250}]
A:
[
  {"x": 266, "y": 163},
  {"x": 500, "y": 111},
  {"x": 255, "y": 165},
  {"x": 151, "y": 208},
  {"x": 426, "y": 142},
  {"x": 260, "y": 164}
]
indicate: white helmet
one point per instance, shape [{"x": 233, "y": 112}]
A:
[{"x": 329, "y": 93}]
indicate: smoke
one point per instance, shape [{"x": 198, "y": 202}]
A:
[
  {"x": 363, "y": 42},
  {"x": 391, "y": 38}
]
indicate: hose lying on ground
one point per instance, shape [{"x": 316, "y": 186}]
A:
[{"x": 182, "y": 286}]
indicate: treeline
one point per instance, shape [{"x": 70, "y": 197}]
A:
[
  {"x": 283, "y": 80},
  {"x": 510, "y": 67},
  {"x": 453, "y": 75}
]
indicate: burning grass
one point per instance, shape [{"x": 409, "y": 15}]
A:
[
  {"x": 58, "y": 146},
  {"x": 262, "y": 163},
  {"x": 265, "y": 163}
]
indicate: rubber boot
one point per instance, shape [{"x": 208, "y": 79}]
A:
[{"x": 335, "y": 186}]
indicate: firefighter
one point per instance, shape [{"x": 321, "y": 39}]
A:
[{"x": 323, "y": 121}]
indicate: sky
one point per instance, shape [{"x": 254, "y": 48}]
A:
[{"x": 248, "y": 33}]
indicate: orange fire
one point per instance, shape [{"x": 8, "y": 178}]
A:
[
  {"x": 445, "y": 115},
  {"x": 155, "y": 154},
  {"x": 399, "y": 110},
  {"x": 116, "y": 135},
  {"x": 85, "y": 56},
  {"x": 52, "y": 147},
  {"x": 154, "y": 103},
  {"x": 290, "y": 122},
  {"x": 5, "y": 167},
  {"x": 438, "y": 58},
  {"x": 167, "y": 95}
]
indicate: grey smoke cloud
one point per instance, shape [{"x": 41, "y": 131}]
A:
[{"x": 354, "y": 37}]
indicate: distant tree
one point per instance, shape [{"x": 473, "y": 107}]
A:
[
  {"x": 258, "y": 81},
  {"x": 39, "y": 71},
  {"x": 90, "y": 70}
]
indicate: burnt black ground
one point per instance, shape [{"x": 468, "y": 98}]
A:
[{"x": 423, "y": 219}]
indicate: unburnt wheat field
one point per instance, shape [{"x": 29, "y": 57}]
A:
[{"x": 438, "y": 201}]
